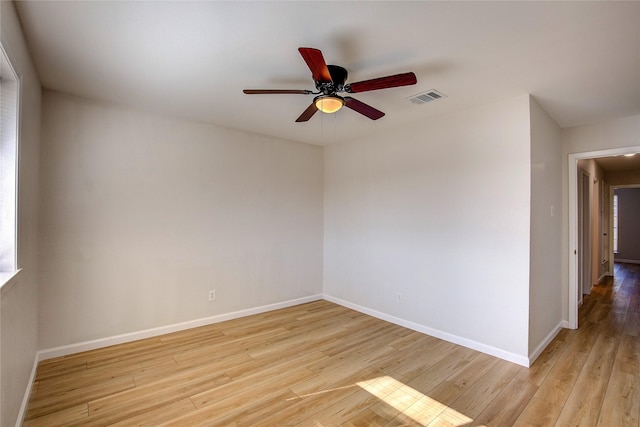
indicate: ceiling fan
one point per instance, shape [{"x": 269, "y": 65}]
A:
[{"x": 330, "y": 80}]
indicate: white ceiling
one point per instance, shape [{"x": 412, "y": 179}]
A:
[{"x": 580, "y": 60}]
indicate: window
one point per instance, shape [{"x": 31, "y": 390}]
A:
[
  {"x": 9, "y": 85},
  {"x": 615, "y": 223}
]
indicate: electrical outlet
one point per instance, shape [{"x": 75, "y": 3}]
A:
[{"x": 212, "y": 295}]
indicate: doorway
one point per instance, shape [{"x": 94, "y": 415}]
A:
[{"x": 576, "y": 278}]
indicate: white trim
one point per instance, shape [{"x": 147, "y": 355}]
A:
[
  {"x": 616, "y": 186},
  {"x": 7, "y": 280},
  {"x": 8, "y": 62},
  {"x": 545, "y": 342},
  {"x": 153, "y": 332},
  {"x": 465, "y": 342},
  {"x": 628, "y": 261},
  {"x": 573, "y": 242},
  {"x": 573, "y": 221},
  {"x": 27, "y": 392}
]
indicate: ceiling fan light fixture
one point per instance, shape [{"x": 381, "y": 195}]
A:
[
  {"x": 330, "y": 80},
  {"x": 329, "y": 103}
]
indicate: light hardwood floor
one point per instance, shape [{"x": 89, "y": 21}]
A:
[{"x": 320, "y": 364}]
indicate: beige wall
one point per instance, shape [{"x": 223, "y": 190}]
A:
[
  {"x": 597, "y": 177},
  {"x": 146, "y": 214},
  {"x": 18, "y": 298},
  {"x": 615, "y": 133},
  {"x": 545, "y": 287},
  {"x": 438, "y": 212}
]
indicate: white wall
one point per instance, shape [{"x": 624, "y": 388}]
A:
[
  {"x": 18, "y": 298},
  {"x": 615, "y": 133},
  {"x": 437, "y": 211},
  {"x": 612, "y": 134},
  {"x": 145, "y": 214},
  {"x": 545, "y": 293}
]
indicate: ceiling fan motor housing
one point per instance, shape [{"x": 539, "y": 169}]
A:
[{"x": 338, "y": 77}]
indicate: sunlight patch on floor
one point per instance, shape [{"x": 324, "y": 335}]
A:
[{"x": 412, "y": 403}]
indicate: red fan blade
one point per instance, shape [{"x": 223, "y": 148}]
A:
[
  {"x": 276, "y": 91},
  {"x": 308, "y": 113},
  {"x": 362, "y": 108},
  {"x": 315, "y": 62},
  {"x": 404, "y": 79}
]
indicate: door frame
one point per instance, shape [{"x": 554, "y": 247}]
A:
[
  {"x": 573, "y": 221},
  {"x": 585, "y": 226}
]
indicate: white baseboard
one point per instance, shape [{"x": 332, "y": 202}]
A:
[
  {"x": 153, "y": 332},
  {"x": 148, "y": 333},
  {"x": 545, "y": 342},
  {"x": 465, "y": 342},
  {"x": 27, "y": 393}
]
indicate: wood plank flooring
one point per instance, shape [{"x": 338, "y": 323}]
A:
[{"x": 320, "y": 364}]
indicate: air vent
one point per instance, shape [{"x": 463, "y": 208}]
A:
[{"x": 428, "y": 96}]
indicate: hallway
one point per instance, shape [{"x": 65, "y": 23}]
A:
[{"x": 591, "y": 376}]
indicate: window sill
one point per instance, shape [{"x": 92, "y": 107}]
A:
[{"x": 6, "y": 279}]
